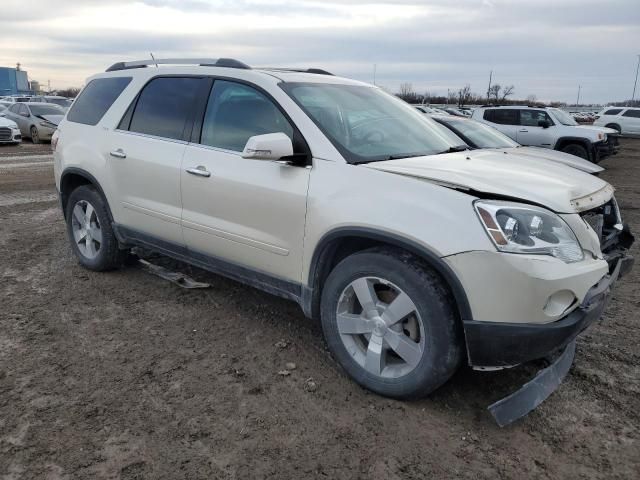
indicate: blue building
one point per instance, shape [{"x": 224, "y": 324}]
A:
[{"x": 13, "y": 82}]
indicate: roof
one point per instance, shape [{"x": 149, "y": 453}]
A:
[{"x": 223, "y": 66}]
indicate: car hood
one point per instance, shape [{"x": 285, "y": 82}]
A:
[
  {"x": 596, "y": 128},
  {"x": 559, "y": 187},
  {"x": 55, "y": 119},
  {"x": 5, "y": 122},
  {"x": 555, "y": 156}
]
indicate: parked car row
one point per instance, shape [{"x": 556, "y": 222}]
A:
[
  {"x": 543, "y": 127},
  {"x": 583, "y": 117},
  {"x": 37, "y": 120}
]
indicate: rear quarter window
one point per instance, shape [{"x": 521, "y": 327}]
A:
[
  {"x": 96, "y": 98},
  {"x": 632, "y": 113},
  {"x": 614, "y": 111}
]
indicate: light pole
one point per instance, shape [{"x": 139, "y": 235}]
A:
[
  {"x": 578, "y": 100},
  {"x": 633, "y": 97}
]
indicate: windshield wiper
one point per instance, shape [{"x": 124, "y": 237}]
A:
[
  {"x": 398, "y": 157},
  {"x": 457, "y": 148}
]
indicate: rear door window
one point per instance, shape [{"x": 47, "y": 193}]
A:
[
  {"x": 96, "y": 98},
  {"x": 530, "y": 118},
  {"x": 502, "y": 116},
  {"x": 164, "y": 107}
]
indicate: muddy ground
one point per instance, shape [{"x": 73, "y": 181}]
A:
[{"x": 125, "y": 375}]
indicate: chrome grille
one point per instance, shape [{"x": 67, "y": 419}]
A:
[{"x": 5, "y": 133}]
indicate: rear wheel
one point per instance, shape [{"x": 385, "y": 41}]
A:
[
  {"x": 577, "y": 150},
  {"x": 390, "y": 322},
  {"x": 89, "y": 229},
  {"x": 35, "y": 136}
]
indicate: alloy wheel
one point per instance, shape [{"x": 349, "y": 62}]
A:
[
  {"x": 86, "y": 229},
  {"x": 380, "y": 327}
]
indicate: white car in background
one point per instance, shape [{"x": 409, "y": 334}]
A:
[
  {"x": 552, "y": 128},
  {"x": 626, "y": 120},
  {"x": 9, "y": 131}
]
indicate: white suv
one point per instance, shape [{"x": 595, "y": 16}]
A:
[
  {"x": 415, "y": 256},
  {"x": 624, "y": 120},
  {"x": 550, "y": 128}
]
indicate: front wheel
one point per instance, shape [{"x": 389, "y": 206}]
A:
[
  {"x": 35, "y": 137},
  {"x": 89, "y": 229},
  {"x": 390, "y": 322},
  {"x": 577, "y": 150}
]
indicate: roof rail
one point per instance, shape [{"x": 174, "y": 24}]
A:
[
  {"x": 204, "y": 62},
  {"x": 317, "y": 71}
]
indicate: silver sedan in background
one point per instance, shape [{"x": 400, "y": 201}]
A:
[{"x": 37, "y": 121}]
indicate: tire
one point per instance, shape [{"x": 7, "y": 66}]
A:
[
  {"x": 433, "y": 329},
  {"x": 614, "y": 126},
  {"x": 35, "y": 137},
  {"x": 87, "y": 215},
  {"x": 577, "y": 150}
]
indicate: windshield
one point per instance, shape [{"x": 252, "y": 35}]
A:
[
  {"x": 46, "y": 110},
  {"x": 563, "y": 117},
  {"x": 478, "y": 134},
  {"x": 366, "y": 124}
]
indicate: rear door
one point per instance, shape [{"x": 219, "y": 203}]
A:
[
  {"x": 630, "y": 122},
  {"x": 249, "y": 213},
  {"x": 530, "y": 133},
  {"x": 505, "y": 120},
  {"x": 145, "y": 153}
]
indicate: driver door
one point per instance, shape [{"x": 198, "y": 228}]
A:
[
  {"x": 530, "y": 133},
  {"x": 247, "y": 212}
]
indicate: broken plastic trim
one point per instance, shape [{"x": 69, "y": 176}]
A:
[
  {"x": 535, "y": 391},
  {"x": 179, "y": 279}
]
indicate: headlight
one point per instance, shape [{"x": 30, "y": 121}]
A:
[
  {"x": 518, "y": 228},
  {"x": 602, "y": 136}
]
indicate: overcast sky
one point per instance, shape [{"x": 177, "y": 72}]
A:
[{"x": 543, "y": 47}]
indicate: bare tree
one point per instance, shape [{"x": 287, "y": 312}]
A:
[
  {"x": 406, "y": 89},
  {"x": 464, "y": 95},
  {"x": 507, "y": 91},
  {"x": 494, "y": 92},
  {"x": 531, "y": 99},
  {"x": 407, "y": 93}
]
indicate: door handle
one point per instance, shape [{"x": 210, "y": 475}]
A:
[
  {"x": 200, "y": 171},
  {"x": 523, "y": 131},
  {"x": 119, "y": 153}
]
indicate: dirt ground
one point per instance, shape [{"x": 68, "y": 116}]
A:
[{"x": 124, "y": 375}]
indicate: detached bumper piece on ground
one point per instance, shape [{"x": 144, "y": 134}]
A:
[{"x": 563, "y": 333}]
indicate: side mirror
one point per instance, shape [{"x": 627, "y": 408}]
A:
[
  {"x": 544, "y": 123},
  {"x": 272, "y": 146}
]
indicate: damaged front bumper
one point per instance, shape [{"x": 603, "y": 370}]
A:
[{"x": 492, "y": 344}]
